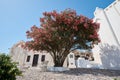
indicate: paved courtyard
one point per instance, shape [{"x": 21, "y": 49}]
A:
[{"x": 73, "y": 74}]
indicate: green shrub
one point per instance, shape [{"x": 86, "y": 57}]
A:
[{"x": 8, "y": 69}]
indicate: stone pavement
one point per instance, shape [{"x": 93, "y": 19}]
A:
[{"x": 73, "y": 74}]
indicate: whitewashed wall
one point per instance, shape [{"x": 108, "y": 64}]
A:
[
  {"x": 20, "y": 55},
  {"x": 107, "y": 53}
]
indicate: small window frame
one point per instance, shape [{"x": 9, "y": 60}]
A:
[
  {"x": 28, "y": 58},
  {"x": 42, "y": 58},
  {"x": 71, "y": 56}
]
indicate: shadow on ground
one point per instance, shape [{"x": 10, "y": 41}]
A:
[{"x": 83, "y": 71}]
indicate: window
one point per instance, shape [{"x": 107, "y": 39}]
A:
[
  {"x": 71, "y": 56},
  {"x": 43, "y": 58},
  {"x": 28, "y": 59}
]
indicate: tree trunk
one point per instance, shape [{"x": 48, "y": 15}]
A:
[
  {"x": 59, "y": 60},
  {"x": 59, "y": 57},
  {"x": 58, "y": 64}
]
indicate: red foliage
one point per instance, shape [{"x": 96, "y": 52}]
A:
[
  {"x": 53, "y": 24},
  {"x": 58, "y": 30}
]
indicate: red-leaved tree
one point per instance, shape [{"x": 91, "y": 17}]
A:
[{"x": 59, "y": 32}]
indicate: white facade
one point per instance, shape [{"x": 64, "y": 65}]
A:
[
  {"x": 31, "y": 59},
  {"x": 71, "y": 60},
  {"x": 107, "y": 53},
  {"x": 34, "y": 59},
  {"x": 21, "y": 56}
]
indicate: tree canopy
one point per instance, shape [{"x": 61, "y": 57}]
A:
[{"x": 60, "y": 31}]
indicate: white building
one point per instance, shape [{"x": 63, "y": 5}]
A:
[
  {"x": 27, "y": 58},
  {"x": 107, "y": 53},
  {"x": 35, "y": 59}
]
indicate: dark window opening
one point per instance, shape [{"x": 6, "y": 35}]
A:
[
  {"x": 28, "y": 59},
  {"x": 43, "y": 58},
  {"x": 71, "y": 56},
  {"x": 35, "y": 60},
  {"x": 77, "y": 56}
]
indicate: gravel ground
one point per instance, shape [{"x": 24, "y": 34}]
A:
[{"x": 72, "y": 74}]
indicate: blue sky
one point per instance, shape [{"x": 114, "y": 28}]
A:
[{"x": 17, "y": 16}]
